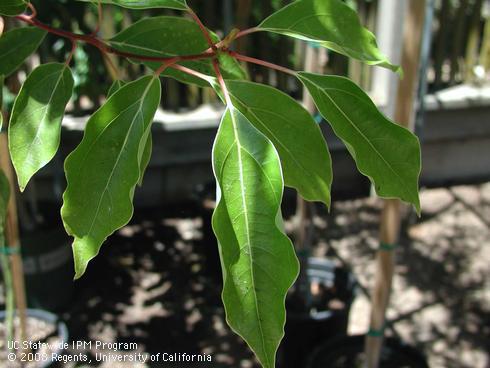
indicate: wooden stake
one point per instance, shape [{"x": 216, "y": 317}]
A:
[
  {"x": 390, "y": 218},
  {"x": 12, "y": 239}
]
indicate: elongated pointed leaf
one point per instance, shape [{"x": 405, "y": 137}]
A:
[
  {"x": 299, "y": 141},
  {"x": 35, "y": 123},
  {"x": 103, "y": 171},
  {"x": 145, "y": 4},
  {"x": 258, "y": 259},
  {"x": 333, "y": 25},
  {"x": 12, "y": 7},
  {"x": 145, "y": 159},
  {"x": 385, "y": 152},
  {"x": 171, "y": 36},
  {"x": 16, "y": 45}
]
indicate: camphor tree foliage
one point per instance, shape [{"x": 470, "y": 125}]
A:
[{"x": 265, "y": 139}]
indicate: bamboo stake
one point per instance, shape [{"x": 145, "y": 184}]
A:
[
  {"x": 12, "y": 239},
  {"x": 391, "y": 217}
]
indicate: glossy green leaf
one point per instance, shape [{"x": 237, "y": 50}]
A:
[
  {"x": 35, "y": 123},
  {"x": 258, "y": 260},
  {"x": 12, "y": 7},
  {"x": 305, "y": 159},
  {"x": 145, "y": 159},
  {"x": 115, "y": 86},
  {"x": 333, "y": 25},
  {"x": 103, "y": 171},
  {"x": 145, "y": 4},
  {"x": 16, "y": 45},
  {"x": 385, "y": 152},
  {"x": 171, "y": 36}
]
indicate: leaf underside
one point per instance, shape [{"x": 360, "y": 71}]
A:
[
  {"x": 103, "y": 171},
  {"x": 170, "y": 36},
  {"x": 332, "y": 24},
  {"x": 35, "y": 123},
  {"x": 258, "y": 260},
  {"x": 145, "y": 159},
  {"x": 388, "y": 154},
  {"x": 305, "y": 158}
]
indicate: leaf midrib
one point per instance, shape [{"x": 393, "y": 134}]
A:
[
  {"x": 38, "y": 130},
  {"x": 247, "y": 229},
  {"x": 292, "y": 157},
  {"x": 119, "y": 155},
  {"x": 14, "y": 49}
]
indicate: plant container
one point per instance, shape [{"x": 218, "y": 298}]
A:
[
  {"x": 317, "y": 310},
  {"x": 348, "y": 352}
]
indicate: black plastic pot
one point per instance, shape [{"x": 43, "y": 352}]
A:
[
  {"x": 348, "y": 352},
  {"x": 48, "y": 268},
  {"x": 314, "y": 321}
]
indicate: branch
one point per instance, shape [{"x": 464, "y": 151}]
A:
[
  {"x": 222, "y": 83},
  {"x": 105, "y": 48},
  {"x": 249, "y": 59},
  {"x": 204, "y": 30},
  {"x": 247, "y": 32},
  {"x": 192, "y": 72}
]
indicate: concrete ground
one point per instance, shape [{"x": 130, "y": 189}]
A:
[
  {"x": 157, "y": 281},
  {"x": 441, "y": 296}
]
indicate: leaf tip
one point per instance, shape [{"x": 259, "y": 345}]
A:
[
  {"x": 22, "y": 182},
  {"x": 399, "y": 70},
  {"x": 82, "y": 255}
]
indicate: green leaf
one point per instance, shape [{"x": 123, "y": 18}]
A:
[
  {"x": 258, "y": 260},
  {"x": 145, "y": 159},
  {"x": 115, "y": 86},
  {"x": 385, "y": 152},
  {"x": 332, "y": 24},
  {"x": 170, "y": 36},
  {"x": 12, "y": 7},
  {"x": 16, "y": 45},
  {"x": 305, "y": 159},
  {"x": 145, "y": 4},
  {"x": 103, "y": 171},
  {"x": 35, "y": 123}
]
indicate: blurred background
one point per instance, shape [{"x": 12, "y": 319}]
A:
[{"x": 157, "y": 281}]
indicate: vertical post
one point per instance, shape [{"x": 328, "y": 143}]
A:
[
  {"x": 389, "y": 34},
  {"x": 390, "y": 218},
  {"x": 485, "y": 50},
  {"x": 12, "y": 239},
  {"x": 473, "y": 40}
]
